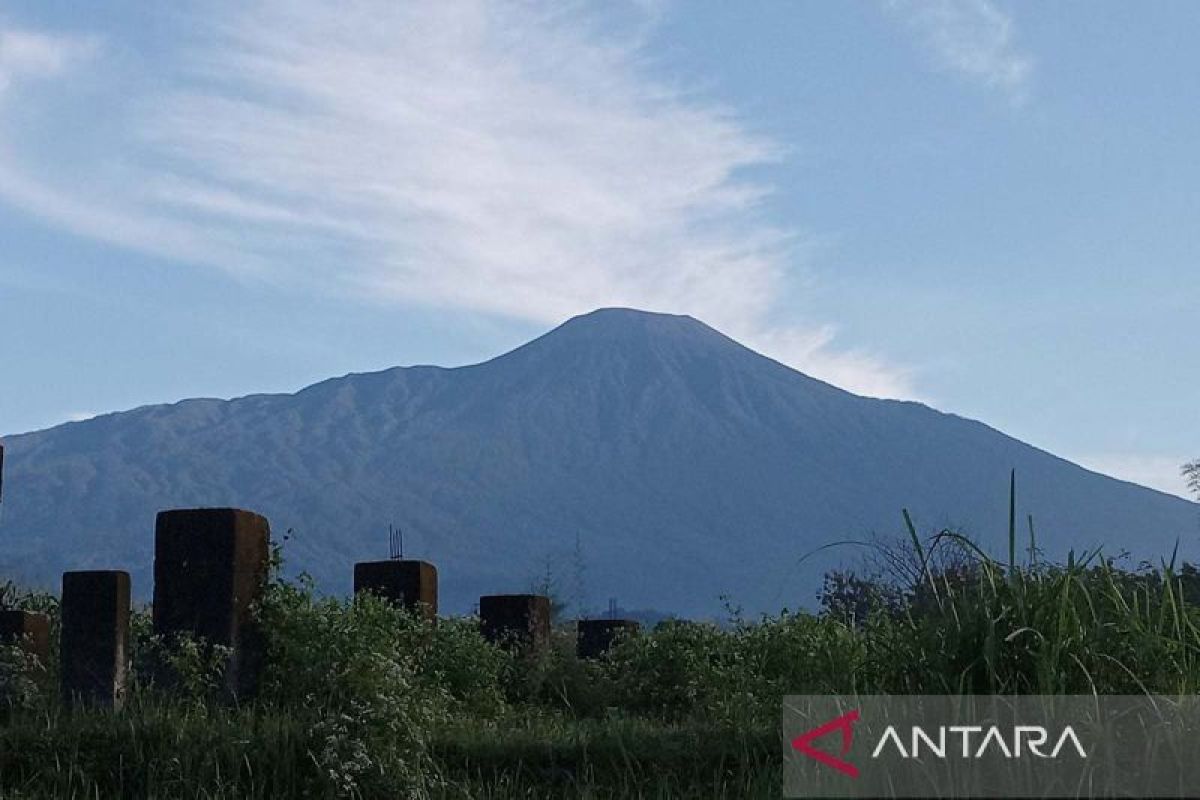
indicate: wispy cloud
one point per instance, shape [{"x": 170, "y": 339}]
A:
[
  {"x": 515, "y": 159},
  {"x": 973, "y": 38},
  {"x": 25, "y": 54}
]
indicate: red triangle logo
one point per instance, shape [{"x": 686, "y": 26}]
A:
[{"x": 844, "y": 723}]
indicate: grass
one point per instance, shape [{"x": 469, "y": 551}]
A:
[
  {"x": 161, "y": 751},
  {"x": 536, "y": 756},
  {"x": 359, "y": 700},
  {"x": 154, "y": 750}
]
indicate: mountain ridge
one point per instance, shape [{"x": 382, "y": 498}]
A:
[{"x": 655, "y": 441}]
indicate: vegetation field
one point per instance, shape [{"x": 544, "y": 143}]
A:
[{"x": 361, "y": 700}]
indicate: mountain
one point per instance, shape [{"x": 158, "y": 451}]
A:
[{"x": 662, "y": 461}]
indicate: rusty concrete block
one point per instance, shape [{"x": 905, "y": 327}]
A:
[
  {"x": 596, "y": 636},
  {"x": 29, "y": 630},
  {"x": 94, "y": 640},
  {"x": 522, "y": 620},
  {"x": 408, "y": 584},
  {"x": 210, "y": 567}
]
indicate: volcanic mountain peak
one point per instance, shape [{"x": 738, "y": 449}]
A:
[{"x": 682, "y": 465}]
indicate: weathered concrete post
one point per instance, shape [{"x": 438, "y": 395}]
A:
[
  {"x": 210, "y": 566},
  {"x": 412, "y": 585},
  {"x": 28, "y": 630},
  {"x": 596, "y": 636},
  {"x": 94, "y": 641},
  {"x": 522, "y": 620}
]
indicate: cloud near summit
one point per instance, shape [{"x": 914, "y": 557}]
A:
[{"x": 513, "y": 159}]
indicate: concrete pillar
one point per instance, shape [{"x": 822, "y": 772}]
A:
[
  {"x": 596, "y": 636},
  {"x": 94, "y": 643},
  {"x": 522, "y": 620},
  {"x": 409, "y": 584},
  {"x": 29, "y": 630},
  {"x": 210, "y": 567},
  {"x": 1, "y": 471}
]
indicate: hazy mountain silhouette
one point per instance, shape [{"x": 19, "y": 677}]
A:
[{"x": 685, "y": 466}]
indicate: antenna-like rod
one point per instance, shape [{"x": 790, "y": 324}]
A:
[{"x": 395, "y": 542}]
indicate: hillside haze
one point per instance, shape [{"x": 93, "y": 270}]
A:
[{"x": 669, "y": 462}]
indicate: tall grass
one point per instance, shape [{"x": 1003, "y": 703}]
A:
[
  {"x": 1039, "y": 628},
  {"x": 360, "y": 700}
]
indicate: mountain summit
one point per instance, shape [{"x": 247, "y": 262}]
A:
[{"x": 633, "y": 455}]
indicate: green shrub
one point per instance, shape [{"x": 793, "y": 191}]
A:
[
  {"x": 736, "y": 676},
  {"x": 359, "y": 699},
  {"x": 454, "y": 659},
  {"x": 555, "y": 680},
  {"x": 182, "y": 667},
  {"x": 23, "y": 682},
  {"x": 349, "y": 667}
]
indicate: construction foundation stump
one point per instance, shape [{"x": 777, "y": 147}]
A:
[
  {"x": 94, "y": 640},
  {"x": 210, "y": 567},
  {"x": 28, "y": 630},
  {"x": 411, "y": 585},
  {"x": 521, "y": 620},
  {"x": 596, "y": 636}
]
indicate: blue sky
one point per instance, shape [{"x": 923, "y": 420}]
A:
[{"x": 987, "y": 206}]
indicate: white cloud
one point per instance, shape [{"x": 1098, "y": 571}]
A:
[
  {"x": 973, "y": 38},
  {"x": 29, "y": 54},
  {"x": 814, "y": 350},
  {"x": 1156, "y": 471},
  {"x": 504, "y": 158}
]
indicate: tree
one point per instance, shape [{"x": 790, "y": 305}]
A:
[{"x": 1191, "y": 472}]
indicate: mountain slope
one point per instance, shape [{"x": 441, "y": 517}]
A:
[{"x": 682, "y": 465}]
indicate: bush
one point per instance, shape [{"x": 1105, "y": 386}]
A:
[
  {"x": 360, "y": 699},
  {"x": 349, "y": 667},
  {"x": 734, "y": 677},
  {"x": 454, "y": 659},
  {"x": 555, "y": 680},
  {"x": 23, "y": 683},
  {"x": 185, "y": 669}
]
